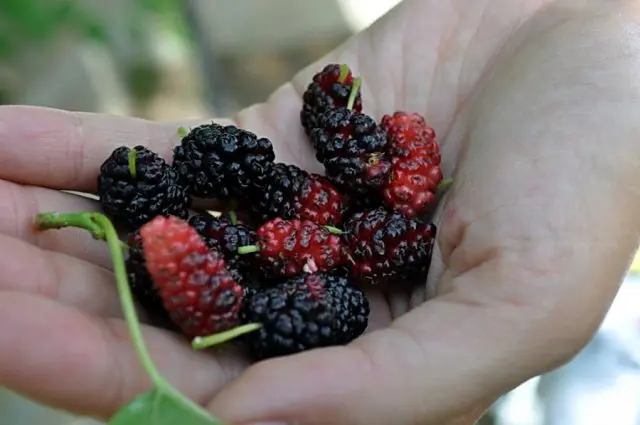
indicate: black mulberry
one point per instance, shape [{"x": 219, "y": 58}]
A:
[
  {"x": 352, "y": 148},
  {"x": 222, "y": 162},
  {"x": 303, "y": 313},
  {"x": 136, "y": 185}
]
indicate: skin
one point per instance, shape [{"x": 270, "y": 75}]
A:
[{"x": 536, "y": 104}]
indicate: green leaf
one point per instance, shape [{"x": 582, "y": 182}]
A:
[{"x": 158, "y": 407}]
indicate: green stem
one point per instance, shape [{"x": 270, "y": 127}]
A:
[
  {"x": 182, "y": 131},
  {"x": 53, "y": 220},
  {"x": 445, "y": 183},
  {"x": 202, "y": 342},
  {"x": 344, "y": 71},
  {"x": 99, "y": 225},
  {"x": 355, "y": 88},
  {"x": 233, "y": 217},
  {"x": 131, "y": 157},
  {"x": 248, "y": 249},
  {"x": 333, "y": 230},
  {"x": 126, "y": 298}
]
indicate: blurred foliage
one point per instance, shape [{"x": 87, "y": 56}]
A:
[{"x": 26, "y": 24}]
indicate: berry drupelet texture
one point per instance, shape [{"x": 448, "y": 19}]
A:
[
  {"x": 222, "y": 162},
  {"x": 413, "y": 184},
  {"x": 415, "y": 170},
  {"x": 303, "y": 313},
  {"x": 225, "y": 236},
  {"x": 290, "y": 247},
  {"x": 141, "y": 283},
  {"x": 197, "y": 290},
  {"x": 352, "y": 148},
  {"x": 408, "y": 132},
  {"x": 330, "y": 88},
  {"x": 351, "y": 306},
  {"x": 387, "y": 247},
  {"x": 292, "y": 193},
  {"x": 135, "y": 185}
]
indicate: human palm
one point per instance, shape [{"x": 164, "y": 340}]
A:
[{"x": 534, "y": 235}]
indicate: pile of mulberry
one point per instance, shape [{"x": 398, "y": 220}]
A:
[{"x": 307, "y": 245}]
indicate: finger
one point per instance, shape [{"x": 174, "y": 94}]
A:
[
  {"x": 56, "y": 276},
  {"x": 69, "y": 360},
  {"x": 19, "y": 211},
  {"x": 64, "y": 150}
]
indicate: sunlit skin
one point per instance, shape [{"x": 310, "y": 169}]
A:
[{"x": 536, "y": 105}]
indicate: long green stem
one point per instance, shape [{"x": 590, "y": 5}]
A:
[
  {"x": 126, "y": 298},
  {"x": 102, "y": 228}
]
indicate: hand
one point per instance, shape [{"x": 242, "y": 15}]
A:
[{"x": 536, "y": 104}]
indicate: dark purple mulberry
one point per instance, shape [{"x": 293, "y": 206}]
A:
[
  {"x": 352, "y": 148},
  {"x": 386, "y": 247},
  {"x": 222, "y": 162},
  {"x": 135, "y": 185}
]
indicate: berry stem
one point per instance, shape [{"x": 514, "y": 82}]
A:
[
  {"x": 333, "y": 230},
  {"x": 202, "y": 342},
  {"x": 233, "y": 217},
  {"x": 445, "y": 183},
  {"x": 182, "y": 131},
  {"x": 355, "y": 88},
  {"x": 126, "y": 298},
  {"x": 248, "y": 249},
  {"x": 53, "y": 220},
  {"x": 101, "y": 228},
  {"x": 131, "y": 157},
  {"x": 344, "y": 71}
]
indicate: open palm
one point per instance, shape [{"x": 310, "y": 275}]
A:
[{"x": 535, "y": 233}]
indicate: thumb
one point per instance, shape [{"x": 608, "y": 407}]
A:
[{"x": 443, "y": 363}]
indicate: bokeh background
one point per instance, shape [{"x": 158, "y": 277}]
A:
[
  {"x": 165, "y": 59},
  {"x": 169, "y": 60}
]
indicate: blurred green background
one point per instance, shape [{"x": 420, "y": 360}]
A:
[{"x": 165, "y": 59}]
